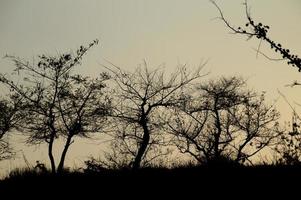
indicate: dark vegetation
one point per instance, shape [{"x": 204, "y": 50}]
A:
[
  {"x": 217, "y": 181},
  {"x": 219, "y": 126}
]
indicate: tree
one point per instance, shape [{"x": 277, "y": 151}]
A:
[
  {"x": 289, "y": 144},
  {"x": 260, "y": 31},
  {"x": 224, "y": 122},
  {"x": 83, "y": 109},
  {"x": 139, "y": 102},
  {"x": 58, "y": 102},
  {"x": 10, "y": 116}
]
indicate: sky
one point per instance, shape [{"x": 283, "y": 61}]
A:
[{"x": 162, "y": 32}]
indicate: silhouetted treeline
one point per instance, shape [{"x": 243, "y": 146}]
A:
[
  {"x": 153, "y": 118},
  {"x": 150, "y": 116}
]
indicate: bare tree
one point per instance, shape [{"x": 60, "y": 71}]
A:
[
  {"x": 10, "y": 116},
  {"x": 83, "y": 109},
  {"x": 139, "y": 101},
  {"x": 58, "y": 103},
  {"x": 224, "y": 121},
  {"x": 260, "y": 31},
  {"x": 289, "y": 148}
]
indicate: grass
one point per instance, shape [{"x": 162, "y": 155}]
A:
[
  {"x": 204, "y": 175},
  {"x": 157, "y": 182}
]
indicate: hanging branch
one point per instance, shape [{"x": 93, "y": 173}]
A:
[{"x": 260, "y": 31}]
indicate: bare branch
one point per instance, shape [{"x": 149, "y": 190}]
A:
[{"x": 260, "y": 31}]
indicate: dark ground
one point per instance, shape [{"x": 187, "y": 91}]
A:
[{"x": 155, "y": 182}]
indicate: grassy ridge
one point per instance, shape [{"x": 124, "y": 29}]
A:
[{"x": 182, "y": 177}]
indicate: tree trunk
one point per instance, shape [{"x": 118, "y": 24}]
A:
[
  {"x": 217, "y": 135},
  {"x": 142, "y": 148},
  {"x": 63, "y": 156},
  {"x": 50, "y": 155}
]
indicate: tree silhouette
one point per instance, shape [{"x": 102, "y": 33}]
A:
[
  {"x": 289, "y": 144},
  {"x": 58, "y": 102},
  {"x": 260, "y": 31},
  {"x": 10, "y": 116},
  {"x": 139, "y": 101},
  {"x": 83, "y": 109},
  {"x": 224, "y": 122}
]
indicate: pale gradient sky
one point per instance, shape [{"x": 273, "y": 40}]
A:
[{"x": 160, "y": 31}]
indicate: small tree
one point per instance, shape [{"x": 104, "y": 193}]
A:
[
  {"x": 139, "y": 102},
  {"x": 224, "y": 121},
  {"x": 58, "y": 103},
  {"x": 83, "y": 109}
]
